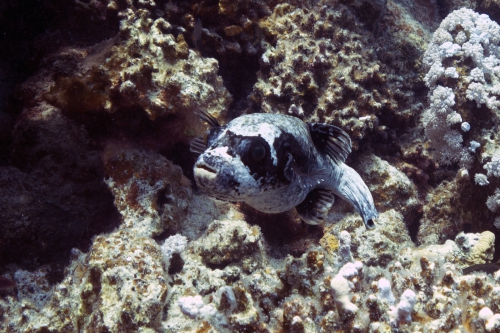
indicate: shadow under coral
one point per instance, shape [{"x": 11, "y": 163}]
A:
[{"x": 285, "y": 233}]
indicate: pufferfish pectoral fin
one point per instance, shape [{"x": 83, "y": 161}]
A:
[
  {"x": 315, "y": 207},
  {"x": 331, "y": 140},
  {"x": 306, "y": 180}
]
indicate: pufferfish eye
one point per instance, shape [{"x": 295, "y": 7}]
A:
[{"x": 258, "y": 152}]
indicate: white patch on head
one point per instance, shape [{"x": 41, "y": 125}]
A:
[
  {"x": 269, "y": 133},
  {"x": 248, "y": 185},
  {"x": 231, "y": 167},
  {"x": 222, "y": 152}
]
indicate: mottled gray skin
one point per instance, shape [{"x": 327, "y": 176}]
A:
[{"x": 226, "y": 169}]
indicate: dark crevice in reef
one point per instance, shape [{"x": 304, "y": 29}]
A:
[
  {"x": 180, "y": 155},
  {"x": 496, "y": 256},
  {"x": 160, "y": 238},
  {"x": 5, "y": 137},
  {"x": 53, "y": 198},
  {"x": 220, "y": 266},
  {"x": 240, "y": 74},
  {"x": 285, "y": 233},
  {"x": 237, "y": 53},
  {"x": 413, "y": 228},
  {"x": 176, "y": 264},
  {"x": 60, "y": 203},
  {"x": 33, "y": 29}
]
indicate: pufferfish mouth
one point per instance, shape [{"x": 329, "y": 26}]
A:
[
  {"x": 204, "y": 173},
  {"x": 205, "y": 168}
]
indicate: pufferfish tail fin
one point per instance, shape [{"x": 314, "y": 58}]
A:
[
  {"x": 353, "y": 189},
  {"x": 331, "y": 140},
  {"x": 314, "y": 209}
]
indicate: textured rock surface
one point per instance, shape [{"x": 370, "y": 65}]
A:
[
  {"x": 391, "y": 188},
  {"x": 227, "y": 241},
  {"x": 322, "y": 64},
  {"x": 146, "y": 68},
  {"x": 150, "y": 191}
]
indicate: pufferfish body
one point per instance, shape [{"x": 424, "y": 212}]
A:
[{"x": 275, "y": 162}]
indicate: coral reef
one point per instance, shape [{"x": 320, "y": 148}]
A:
[
  {"x": 149, "y": 190},
  {"x": 122, "y": 284},
  {"x": 391, "y": 188},
  {"x": 322, "y": 64},
  {"x": 148, "y": 68},
  {"x": 464, "y": 36},
  {"x": 227, "y": 31},
  {"x": 103, "y": 231},
  {"x": 141, "y": 86},
  {"x": 217, "y": 249},
  {"x": 52, "y": 196},
  {"x": 461, "y": 127}
]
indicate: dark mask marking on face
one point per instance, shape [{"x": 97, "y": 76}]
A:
[
  {"x": 254, "y": 152},
  {"x": 286, "y": 144},
  {"x": 212, "y": 134}
]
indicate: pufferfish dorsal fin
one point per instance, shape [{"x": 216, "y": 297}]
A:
[
  {"x": 315, "y": 207},
  {"x": 331, "y": 140},
  {"x": 198, "y": 145},
  {"x": 205, "y": 116}
]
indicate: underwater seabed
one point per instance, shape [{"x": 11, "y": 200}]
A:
[{"x": 102, "y": 228}]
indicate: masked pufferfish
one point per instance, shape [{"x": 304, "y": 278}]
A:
[{"x": 274, "y": 162}]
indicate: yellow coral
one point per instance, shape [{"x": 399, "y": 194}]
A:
[
  {"x": 483, "y": 251},
  {"x": 330, "y": 243}
]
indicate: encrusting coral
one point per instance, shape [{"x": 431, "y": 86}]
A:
[
  {"x": 149, "y": 190},
  {"x": 320, "y": 64},
  {"x": 121, "y": 284},
  {"x": 145, "y": 67}
]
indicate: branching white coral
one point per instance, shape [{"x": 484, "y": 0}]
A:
[
  {"x": 437, "y": 120},
  {"x": 384, "y": 291},
  {"x": 476, "y": 92},
  {"x": 481, "y": 179},
  {"x": 491, "y": 321},
  {"x": 194, "y": 307},
  {"x": 402, "y": 312},
  {"x": 497, "y": 222},
  {"x": 493, "y": 167},
  {"x": 340, "y": 291},
  {"x": 493, "y": 201},
  {"x": 173, "y": 244},
  {"x": 463, "y": 34}
]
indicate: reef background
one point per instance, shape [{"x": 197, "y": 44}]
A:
[{"x": 102, "y": 228}]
